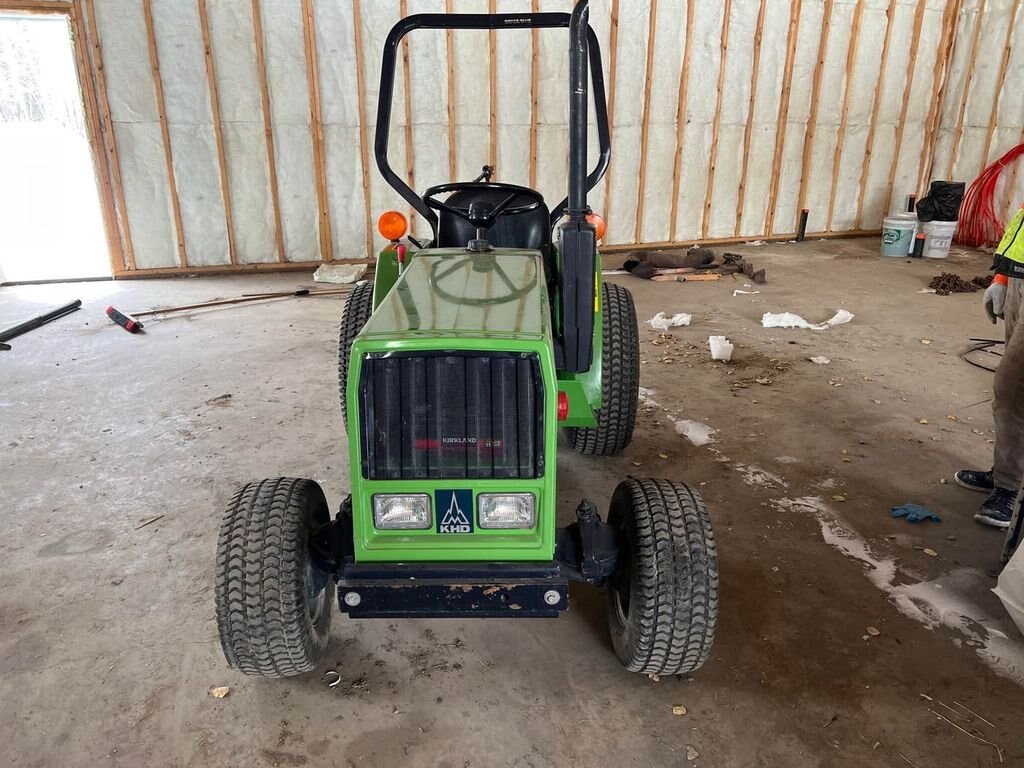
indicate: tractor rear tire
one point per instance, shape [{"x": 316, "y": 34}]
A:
[
  {"x": 273, "y": 605},
  {"x": 358, "y": 308},
  {"x": 663, "y": 596},
  {"x": 620, "y": 378}
]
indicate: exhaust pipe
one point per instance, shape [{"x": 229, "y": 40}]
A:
[{"x": 577, "y": 208}]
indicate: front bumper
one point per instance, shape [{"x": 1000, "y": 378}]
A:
[{"x": 452, "y": 590}]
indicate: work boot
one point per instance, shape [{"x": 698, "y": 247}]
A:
[
  {"x": 975, "y": 480},
  {"x": 997, "y": 510}
]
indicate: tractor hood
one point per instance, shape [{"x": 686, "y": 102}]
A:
[{"x": 447, "y": 293}]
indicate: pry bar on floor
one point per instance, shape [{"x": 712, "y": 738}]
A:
[
  {"x": 239, "y": 300},
  {"x": 37, "y": 321}
]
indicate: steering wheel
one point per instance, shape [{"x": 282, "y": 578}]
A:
[
  {"x": 487, "y": 264},
  {"x": 481, "y": 215}
]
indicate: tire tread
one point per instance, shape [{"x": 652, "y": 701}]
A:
[
  {"x": 674, "y": 607},
  {"x": 259, "y": 590},
  {"x": 358, "y": 308},
  {"x": 620, "y": 378}
]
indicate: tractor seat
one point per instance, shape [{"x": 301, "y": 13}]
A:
[{"x": 530, "y": 230}]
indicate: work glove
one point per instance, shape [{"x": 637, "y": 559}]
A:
[
  {"x": 914, "y": 513},
  {"x": 995, "y": 298}
]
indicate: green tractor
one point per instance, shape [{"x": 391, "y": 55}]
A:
[{"x": 458, "y": 365}]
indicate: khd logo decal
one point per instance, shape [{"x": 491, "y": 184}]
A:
[{"x": 455, "y": 511}]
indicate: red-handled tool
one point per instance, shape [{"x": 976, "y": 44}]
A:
[{"x": 125, "y": 320}]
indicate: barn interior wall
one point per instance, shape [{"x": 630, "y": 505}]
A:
[{"x": 242, "y": 131}]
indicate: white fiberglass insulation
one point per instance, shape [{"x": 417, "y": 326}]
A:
[
  {"x": 956, "y": 149},
  {"x": 245, "y": 147}
]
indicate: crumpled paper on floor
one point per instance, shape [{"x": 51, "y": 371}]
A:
[
  {"x": 789, "y": 320},
  {"x": 721, "y": 348},
  {"x": 339, "y": 273},
  {"x": 662, "y": 322}
]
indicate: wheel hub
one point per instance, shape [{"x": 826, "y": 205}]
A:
[
  {"x": 620, "y": 583},
  {"x": 316, "y": 595}
]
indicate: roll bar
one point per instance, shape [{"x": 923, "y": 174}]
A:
[{"x": 583, "y": 46}]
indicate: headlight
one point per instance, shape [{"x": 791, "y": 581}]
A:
[
  {"x": 506, "y": 510},
  {"x": 401, "y": 512}
]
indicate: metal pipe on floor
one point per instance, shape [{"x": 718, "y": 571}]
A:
[{"x": 30, "y": 325}]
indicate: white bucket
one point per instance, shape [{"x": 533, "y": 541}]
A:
[
  {"x": 898, "y": 234},
  {"x": 938, "y": 238}
]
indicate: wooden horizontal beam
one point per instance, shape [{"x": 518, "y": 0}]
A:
[
  {"x": 37, "y": 6},
  {"x": 606, "y": 249},
  {"x": 229, "y": 269}
]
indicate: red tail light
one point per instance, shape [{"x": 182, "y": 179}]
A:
[{"x": 563, "y": 406}]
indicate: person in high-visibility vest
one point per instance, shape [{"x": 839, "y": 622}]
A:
[{"x": 1005, "y": 299}]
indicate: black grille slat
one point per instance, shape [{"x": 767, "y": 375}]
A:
[
  {"x": 388, "y": 426},
  {"x": 434, "y": 402},
  {"x": 478, "y": 419},
  {"x": 453, "y": 420},
  {"x": 503, "y": 388},
  {"x": 526, "y": 406},
  {"x": 451, "y": 415},
  {"x": 414, "y": 415}
]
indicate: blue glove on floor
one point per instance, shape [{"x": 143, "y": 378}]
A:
[{"x": 915, "y": 513}]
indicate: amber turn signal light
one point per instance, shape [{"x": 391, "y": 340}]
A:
[{"x": 392, "y": 225}]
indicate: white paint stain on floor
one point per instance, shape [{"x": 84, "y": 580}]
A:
[
  {"x": 698, "y": 433},
  {"x": 942, "y": 602},
  {"x": 754, "y": 475}
]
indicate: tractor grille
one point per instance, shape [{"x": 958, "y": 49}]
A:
[{"x": 451, "y": 415}]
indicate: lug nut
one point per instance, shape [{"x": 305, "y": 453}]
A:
[
  {"x": 352, "y": 599},
  {"x": 551, "y": 597}
]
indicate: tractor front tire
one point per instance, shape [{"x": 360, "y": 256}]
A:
[
  {"x": 620, "y": 378},
  {"x": 663, "y": 596},
  {"x": 273, "y": 605},
  {"x": 358, "y": 308}
]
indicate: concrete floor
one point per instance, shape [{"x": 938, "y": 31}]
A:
[{"x": 108, "y": 644}]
